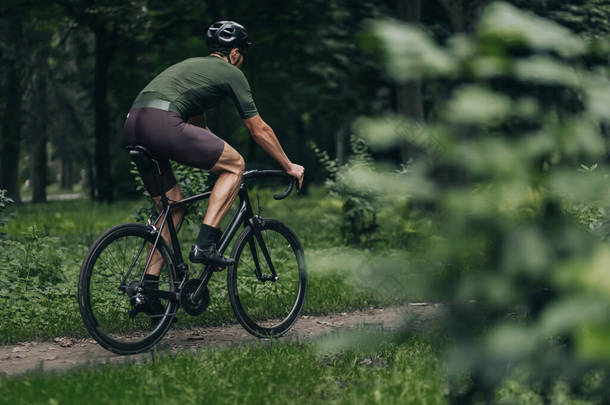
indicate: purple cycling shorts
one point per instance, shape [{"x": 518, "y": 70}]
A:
[{"x": 167, "y": 137}]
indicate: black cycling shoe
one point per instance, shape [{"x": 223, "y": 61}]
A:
[
  {"x": 209, "y": 255},
  {"x": 204, "y": 250}
]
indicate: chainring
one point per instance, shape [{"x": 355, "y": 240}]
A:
[{"x": 190, "y": 307}]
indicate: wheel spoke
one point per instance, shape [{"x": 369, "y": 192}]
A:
[
  {"x": 268, "y": 308},
  {"x": 106, "y": 309}
]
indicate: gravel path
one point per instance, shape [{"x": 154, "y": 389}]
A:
[{"x": 65, "y": 352}]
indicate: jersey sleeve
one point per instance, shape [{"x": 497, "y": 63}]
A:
[{"x": 240, "y": 92}]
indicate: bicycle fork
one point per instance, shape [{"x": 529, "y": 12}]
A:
[{"x": 254, "y": 224}]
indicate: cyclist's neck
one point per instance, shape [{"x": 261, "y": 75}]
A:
[{"x": 226, "y": 59}]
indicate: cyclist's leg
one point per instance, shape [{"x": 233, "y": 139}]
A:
[
  {"x": 198, "y": 147},
  {"x": 157, "y": 130},
  {"x": 173, "y": 194},
  {"x": 169, "y": 135},
  {"x": 230, "y": 168}
]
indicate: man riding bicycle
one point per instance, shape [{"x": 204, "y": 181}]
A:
[{"x": 167, "y": 117}]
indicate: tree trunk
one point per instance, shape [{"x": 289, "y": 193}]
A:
[
  {"x": 38, "y": 167},
  {"x": 462, "y": 14},
  {"x": 409, "y": 101},
  {"x": 67, "y": 173},
  {"x": 67, "y": 153},
  {"x": 90, "y": 176},
  {"x": 10, "y": 143},
  {"x": 103, "y": 53},
  {"x": 340, "y": 145},
  {"x": 38, "y": 138}
]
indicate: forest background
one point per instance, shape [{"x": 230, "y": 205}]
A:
[{"x": 72, "y": 68}]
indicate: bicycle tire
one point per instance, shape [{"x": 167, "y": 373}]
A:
[
  {"x": 105, "y": 308},
  {"x": 283, "y": 299}
]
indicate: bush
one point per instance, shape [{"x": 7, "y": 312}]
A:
[
  {"x": 360, "y": 207},
  {"x": 37, "y": 283},
  {"x": 34, "y": 260},
  {"x": 594, "y": 215},
  {"x": 4, "y": 202},
  {"x": 525, "y": 286}
]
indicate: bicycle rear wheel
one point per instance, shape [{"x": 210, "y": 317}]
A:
[
  {"x": 109, "y": 288},
  {"x": 267, "y": 308}
]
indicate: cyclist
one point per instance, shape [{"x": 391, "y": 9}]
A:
[{"x": 167, "y": 117}]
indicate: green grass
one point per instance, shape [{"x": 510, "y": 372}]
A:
[
  {"x": 40, "y": 262},
  {"x": 256, "y": 374},
  {"x": 77, "y": 221}
]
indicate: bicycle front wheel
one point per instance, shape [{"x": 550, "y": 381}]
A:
[
  {"x": 264, "y": 307},
  {"x": 114, "y": 306}
]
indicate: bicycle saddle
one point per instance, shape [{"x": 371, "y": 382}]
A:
[{"x": 143, "y": 157}]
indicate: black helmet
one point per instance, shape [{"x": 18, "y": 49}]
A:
[{"x": 225, "y": 35}]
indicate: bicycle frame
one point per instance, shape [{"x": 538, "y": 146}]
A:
[{"x": 243, "y": 216}]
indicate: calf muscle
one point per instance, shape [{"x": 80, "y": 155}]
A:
[{"x": 230, "y": 168}]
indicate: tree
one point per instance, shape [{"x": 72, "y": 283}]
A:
[
  {"x": 462, "y": 14},
  {"x": 110, "y": 21},
  {"x": 12, "y": 86},
  {"x": 519, "y": 275},
  {"x": 39, "y": 136},
  {"x": 409, "y": 101}
]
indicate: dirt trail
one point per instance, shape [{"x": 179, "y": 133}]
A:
[{"x": 65, "y": 352}]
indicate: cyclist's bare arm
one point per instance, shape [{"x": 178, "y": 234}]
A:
[
  {"x": 199, "y": 121},
  {"x": 265, "y": 137}
]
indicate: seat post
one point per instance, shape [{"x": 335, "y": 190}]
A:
[{"x": 162, "y": 194}]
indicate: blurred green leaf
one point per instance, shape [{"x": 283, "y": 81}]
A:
[
  {"x": 545, "y": 70},
  {"x": 411, "y": 53},
  {"x": 598, "y": 96},
  {"x": 477, "y": 105},
  {"x": 508, "y": 23}
]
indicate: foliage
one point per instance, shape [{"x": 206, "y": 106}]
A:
[
  {"x": 336, "y": 80},
  {"x": 39, "y": 272},
  {"x": 595, "y": 215},
  {"x": 524, "y": 285},
  {"x": 590, "y": 18},
  {"x": 192, "y": 181},
  {"x": 4, "y": 202},
  {"x": 360, "y": 207},
  {"x": 37, "y": 283},
  {"x": 128, "y": 43}
]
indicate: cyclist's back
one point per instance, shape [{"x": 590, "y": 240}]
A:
[{"x": 198, "y": 84}]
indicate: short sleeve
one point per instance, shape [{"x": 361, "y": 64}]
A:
[{"x": 241, "y": 94}]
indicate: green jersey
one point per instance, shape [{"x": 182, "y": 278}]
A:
[{"x": 198, "y": 84}]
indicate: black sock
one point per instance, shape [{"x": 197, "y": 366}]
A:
[
  {"x": 151, "y": 281},
  {"x": 207, "y": 236}
]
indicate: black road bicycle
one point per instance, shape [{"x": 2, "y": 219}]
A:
[{"x": 266, "y": 285}]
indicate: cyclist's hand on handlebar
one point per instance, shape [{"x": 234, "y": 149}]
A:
[{"x": 296, "y": 171}]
